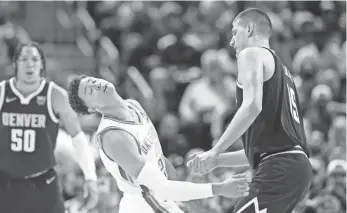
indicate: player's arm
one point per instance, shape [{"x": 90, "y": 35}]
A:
[
  {"x": 250, "y": 68},
  {"x": 122, "y": 148},
  {"x": 231, "y": 159},
  {"x": 69, "y": 119},
  {"x": 170, "y": 170}
]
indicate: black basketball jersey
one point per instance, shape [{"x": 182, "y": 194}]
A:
[
  {"x": 279, "y": 126},
  {"x": 28, "y": 130}
]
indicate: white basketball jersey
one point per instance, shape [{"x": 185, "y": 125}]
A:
[{"x": 147, "y": 140}]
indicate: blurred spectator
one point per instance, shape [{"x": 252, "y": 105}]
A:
[{"x": 214, "y": 91}]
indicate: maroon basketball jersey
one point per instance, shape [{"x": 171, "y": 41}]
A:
[
  {"x": 279, "y": 126},
  {"x": 28, "y": 130}
]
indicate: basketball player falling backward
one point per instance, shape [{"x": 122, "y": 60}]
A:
[
  {"x": 31, "y": 109},
  {"x": 130, "y": 150},
  {"x": 269, "y": 121}
]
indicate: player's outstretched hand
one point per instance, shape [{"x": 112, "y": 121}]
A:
[
  {"x": 92, "y": 196},
  {"x": 236, "y": 186},
  {"x": 202, "y": 163}
]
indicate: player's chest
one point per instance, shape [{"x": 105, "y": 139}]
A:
[{"x": 149, "y": 143}]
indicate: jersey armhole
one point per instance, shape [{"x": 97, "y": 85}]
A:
[
  {"x": 51, "y": 113},
  {"x": 275, "y": 62},
  {"x": 123, "y": 174},
  {"x": 2, "y": 93},
  {"x": 99, "y": 141}
]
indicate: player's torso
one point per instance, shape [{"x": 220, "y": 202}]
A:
[
  {"x": 149, "y": 147},
  {"x": 148, "y": 143},
  {"x": 28, "y": 130},
  {"x": 271, "y": 131}
]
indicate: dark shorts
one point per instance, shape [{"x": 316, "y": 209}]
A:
[
  {"x": 279, "y": 183},
  {"x": 37, "y": 195}
]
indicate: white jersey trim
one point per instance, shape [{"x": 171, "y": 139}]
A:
[
  {"x": 26, "y": 100},
  {"x": 2, "y": 93},
  {"x": 49, "y": 103},
  {"x": 239, "y": 84}
]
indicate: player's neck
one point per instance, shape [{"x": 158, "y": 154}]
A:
[
  {"x": 259, "y": 42},
  {"x": 119, "y": 110},
  {"x": 25, "y": 88}
]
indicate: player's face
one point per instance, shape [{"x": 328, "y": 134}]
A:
[
  {"x": 239, "y": 37},
  {"x": 29, "y": 65},
  {"x": 96, "y": 93}
]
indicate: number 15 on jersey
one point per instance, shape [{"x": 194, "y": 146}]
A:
[{"x": 293, "y": 105}]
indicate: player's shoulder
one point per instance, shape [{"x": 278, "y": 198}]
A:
[
  {"x": 135, "y": 104},
  {"x": 57, "y": 91},
  {"x": 3, "y": 83},
  {"x": 251, "y": 52},
  {"x": 106, "y": 131},
  {"x": 58, "y": 96}
]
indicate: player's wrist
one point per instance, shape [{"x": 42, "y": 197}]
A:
[
  {"x": 215, "y": 151},
  {"x": 216, "y": 188}
]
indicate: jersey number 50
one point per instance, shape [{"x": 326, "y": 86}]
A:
[
  {"x": 23, "y": 140},
  {"x": 293, "y": 106}
]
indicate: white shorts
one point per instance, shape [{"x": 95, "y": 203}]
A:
[{"x": 136, "y": 203}]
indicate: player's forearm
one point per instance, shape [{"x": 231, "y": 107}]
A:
[
  {"x": 185, "y": 191},
  {"x": 232, "y": 159},
  {"x": 242, "y": 120},
  {"x": 84, "y": 156},
  {"x": 151, "y": 177}
]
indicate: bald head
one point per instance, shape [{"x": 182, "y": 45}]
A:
[{"x": 259, "y": 18}]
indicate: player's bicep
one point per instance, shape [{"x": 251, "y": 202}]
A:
[
  {"x": 251, "y": 71},
  {"x": 62, "y": 108},
  {"x": 120, "y": 147}
]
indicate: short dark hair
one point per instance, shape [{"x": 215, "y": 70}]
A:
[
  {"x": 76, "y": 103},
  {"x": 259, "y": 17},
  {"x": 19, "y": 49}
]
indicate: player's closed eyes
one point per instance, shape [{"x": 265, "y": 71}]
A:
[{"x": 36, "y": 59}]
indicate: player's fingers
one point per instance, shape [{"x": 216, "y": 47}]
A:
[
  {"x": 190, "y": 164},
  {"x": 193, "y": 155},
  {"x": 243, "y": 188},
  {"x": 204, "y": 168},
  {"x": 242, "y": 175},
  {"x": 193, "y": 166},
  {"x": 242, "y": 191},
  {"x": 198, "y": 169},
  {"x": 241, "y": 180}
]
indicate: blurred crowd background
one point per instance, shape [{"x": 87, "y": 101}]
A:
[{"x": 175, "y": 59}]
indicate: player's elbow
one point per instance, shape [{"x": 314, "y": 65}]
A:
[{"x": 255, "y": 106}]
